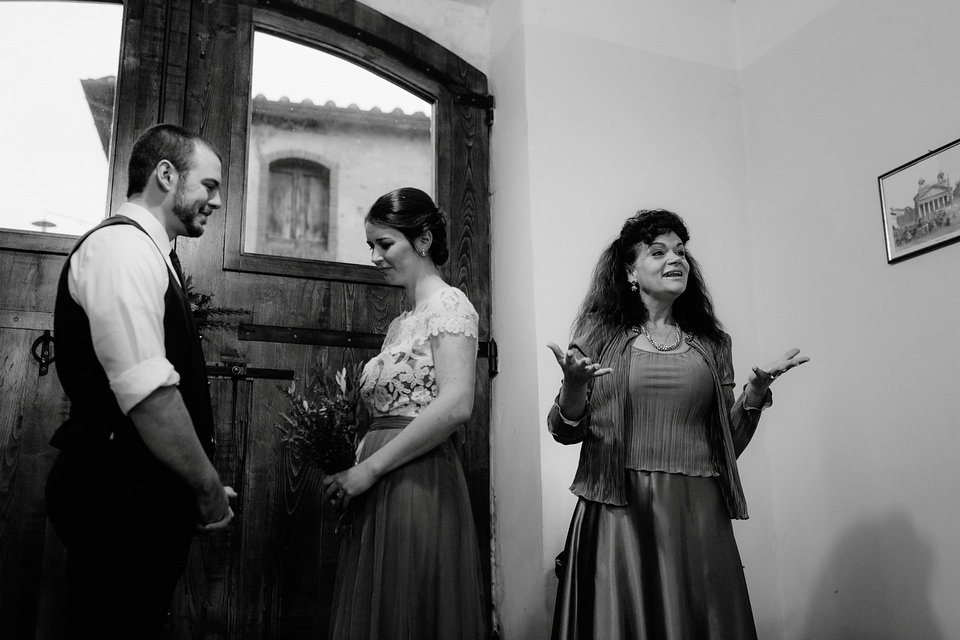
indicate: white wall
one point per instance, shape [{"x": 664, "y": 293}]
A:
[
  {"x": 863, "y": 458},
  {"x": 760, "y": 25},
  {"x": 607, "y": 126},
  {"x": 515, "y": 464}
]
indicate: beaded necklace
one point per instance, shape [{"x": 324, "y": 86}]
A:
[{"x": 662, "y": 347}]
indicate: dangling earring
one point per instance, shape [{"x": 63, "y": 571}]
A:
[
  {"x": 423, "y": 253},
  {"x": 633, "y": 287}
]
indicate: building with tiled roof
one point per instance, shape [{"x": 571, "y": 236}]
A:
[{"x": 313, "y": 170}]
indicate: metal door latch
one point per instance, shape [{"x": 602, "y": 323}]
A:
[{"x": 42, "y": 351}]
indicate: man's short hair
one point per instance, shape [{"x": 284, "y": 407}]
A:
[{"x": 162, "y": 142}]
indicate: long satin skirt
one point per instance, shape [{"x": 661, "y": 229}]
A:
[
  {"x": 664, "y": 567},
  {"x": 409, "y": 566}
]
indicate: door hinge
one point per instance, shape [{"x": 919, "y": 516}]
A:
[
  {"x": 489, "y": 351},
  {"x": 478, "y": 100}
]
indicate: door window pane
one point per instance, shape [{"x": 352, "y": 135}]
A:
[
  {"x": 327, "y": 138},
  {"x": 58, "y": 75}
]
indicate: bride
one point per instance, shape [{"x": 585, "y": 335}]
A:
[{"x": 409, "y": 566}]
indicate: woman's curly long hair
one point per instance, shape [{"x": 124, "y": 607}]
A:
[{"x": 610, "y": 306}]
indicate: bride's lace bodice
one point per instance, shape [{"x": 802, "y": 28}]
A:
[{"x": 401, "y": 380}]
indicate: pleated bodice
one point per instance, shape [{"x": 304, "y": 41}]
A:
[{"x": 671, "y": 396}]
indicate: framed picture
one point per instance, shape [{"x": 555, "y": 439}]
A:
[{"x": 920, "y": 202}]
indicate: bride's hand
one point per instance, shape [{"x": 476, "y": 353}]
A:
[{"x": 341, "y": 488}]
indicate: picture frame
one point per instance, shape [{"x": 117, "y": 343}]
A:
[{"x": 920, "y": 203}]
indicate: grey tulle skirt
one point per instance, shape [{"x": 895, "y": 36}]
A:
[
  {"x": 409, "y": 566},
  {"x": 665, "y": 567}
]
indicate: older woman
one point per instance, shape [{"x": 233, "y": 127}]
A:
[
  {"x": 409, "y": 564},
  {"x": 648, "y": 391}
]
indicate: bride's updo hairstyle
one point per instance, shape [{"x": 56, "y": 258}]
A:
[{"x": 412, "y": 212}]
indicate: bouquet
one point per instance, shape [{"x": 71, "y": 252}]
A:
[{"x": 322, "y": 422}]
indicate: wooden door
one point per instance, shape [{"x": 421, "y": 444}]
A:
[
  {"x": 271, "y": 575},
  {"x": 32, "y": 405}
]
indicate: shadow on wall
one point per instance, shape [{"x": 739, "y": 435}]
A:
[{"x": 875, "y": 585}]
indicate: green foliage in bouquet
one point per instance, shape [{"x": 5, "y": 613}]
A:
[
  {"x": 322, "y": 423},
  {"x": 207, "y": 317}
]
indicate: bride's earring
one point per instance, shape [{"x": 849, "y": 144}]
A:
[{"x": 633, "y": 287}]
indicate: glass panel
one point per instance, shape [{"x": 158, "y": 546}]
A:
[
  {"x": 56, "y": 115},
  {"x": 327, "y": 138}
]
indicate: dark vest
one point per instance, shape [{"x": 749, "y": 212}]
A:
[{"x": 94, "y": 412}]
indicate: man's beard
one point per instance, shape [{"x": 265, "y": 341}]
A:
[{"x": 187, "y": 213}]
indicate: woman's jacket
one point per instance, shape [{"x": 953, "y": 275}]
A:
[{"x": 601, "y": 473}]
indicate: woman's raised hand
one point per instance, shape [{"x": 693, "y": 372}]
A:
[
  {"x": 761, "y": 378},
  {"x": 577, "y": 371}
]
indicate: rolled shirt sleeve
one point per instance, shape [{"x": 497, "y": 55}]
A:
[{"x": 119, "y": 277}]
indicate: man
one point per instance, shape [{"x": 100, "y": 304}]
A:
[{"x": 133, "y": 480}]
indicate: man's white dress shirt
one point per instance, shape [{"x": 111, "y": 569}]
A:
[{"x": 119, "y": 276}]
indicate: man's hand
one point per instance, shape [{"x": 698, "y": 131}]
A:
[{"x": 209, "y": 522}]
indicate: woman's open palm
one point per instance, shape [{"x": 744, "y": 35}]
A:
[{"x": 577, "y": 371}]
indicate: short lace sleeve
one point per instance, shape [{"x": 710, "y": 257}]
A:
[{"x": 451, "y": 312}]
